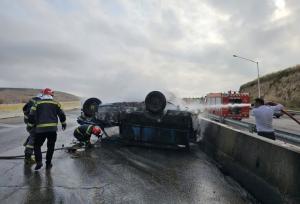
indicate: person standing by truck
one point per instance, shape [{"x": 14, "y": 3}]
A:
[
  {"x": 44, "y": 117},
  {"x": 263, "y": 114}
]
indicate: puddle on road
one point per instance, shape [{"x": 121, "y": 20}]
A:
[{"x": 113, "y": 173}]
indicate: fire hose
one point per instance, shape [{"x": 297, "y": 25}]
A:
[
  {"x": 292, "y": 117},
  {"x": 59, "y": 148},
  {"x": 285, "y": 112},
  {"x": 22, "y": 156}
]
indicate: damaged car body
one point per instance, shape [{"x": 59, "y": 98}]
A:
[{"x": 146, "y": 123}]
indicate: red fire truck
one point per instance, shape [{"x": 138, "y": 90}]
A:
[{"x": 233, "y": 104}]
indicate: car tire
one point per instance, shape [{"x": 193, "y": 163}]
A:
[
  {"x": 155, "y": 102},
  {"x": 90, "y": 106}
]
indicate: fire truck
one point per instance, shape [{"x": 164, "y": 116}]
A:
[{"x": 233, "y": 104}]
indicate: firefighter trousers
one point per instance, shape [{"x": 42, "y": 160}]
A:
[
  {"x": 39, "y": 141},
  {"x": 29, "y": 145},
  {"x": 80, "y": 137}
]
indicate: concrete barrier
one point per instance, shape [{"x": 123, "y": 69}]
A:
[{"x": 270, "y": 170}]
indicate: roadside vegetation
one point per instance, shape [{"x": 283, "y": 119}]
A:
[
  {"x": 282, "y": 86},
  {"x": 18, "y": 107},
  {"x": 12, "y": 100},
  {"x": 22, "y": 95}
]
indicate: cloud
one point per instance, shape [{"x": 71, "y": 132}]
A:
[{"x": 120, "y": 50}]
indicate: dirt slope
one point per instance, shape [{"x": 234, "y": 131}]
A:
[
  {"x": 21, "y": 95},
  {"x": 282, "y": 86}
]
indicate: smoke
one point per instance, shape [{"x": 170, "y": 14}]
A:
[
  {"x": 195, "y": 106},
  {"x": 177, "y": 103},
  {"x": 230, "y": 105}
]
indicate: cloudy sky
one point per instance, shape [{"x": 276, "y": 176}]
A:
[{"x": 121, "y": 49}]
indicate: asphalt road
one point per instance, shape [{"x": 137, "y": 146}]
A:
[
  {"x": 112, "y": 173},
  {"x": 283, "y": 123}
]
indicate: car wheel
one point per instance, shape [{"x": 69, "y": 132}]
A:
[
  {"x": 90, "y": 106},
  {"x": 155, "y": 102}
]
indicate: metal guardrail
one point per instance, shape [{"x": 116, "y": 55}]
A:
[
  {"x": 294, "y": 138},
  {"x": 293, "y": 112},
  {"x": 283, "y": 135}
]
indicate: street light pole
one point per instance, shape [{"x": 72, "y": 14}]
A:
[
  {"x": 256, "y": 62},
  {"x": 258, "y": 81}
]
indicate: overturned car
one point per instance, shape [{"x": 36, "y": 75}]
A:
[{"x": 146, "y": 123}]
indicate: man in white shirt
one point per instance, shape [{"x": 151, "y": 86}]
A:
[{"x": 264, "y": 117}]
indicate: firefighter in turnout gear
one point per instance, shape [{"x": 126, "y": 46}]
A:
[
  {"x": 30, "y": 139},
  {"x": 43, "y": 117},
  {"x": 83, "y": 133}
]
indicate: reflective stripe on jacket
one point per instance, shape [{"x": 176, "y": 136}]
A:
[
  {"x": 84, "y": 130},
  {"x": 27, "y": 108},
  {"x": 44, "y": 115}
]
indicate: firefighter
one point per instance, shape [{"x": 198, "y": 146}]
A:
[
  {"x": 83, "y": 134},
  {"x": 30, "y": 139},
  {"x": 44, "y": 116},
  {"x": 263, "y": 114}
]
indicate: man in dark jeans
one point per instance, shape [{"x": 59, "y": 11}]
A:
[
  {"x": 44, "y": 118},
  {"x": 263, "y": 114}
]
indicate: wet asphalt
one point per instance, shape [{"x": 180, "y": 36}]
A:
[{"x": 112, "y": 173}]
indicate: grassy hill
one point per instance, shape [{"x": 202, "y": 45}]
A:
[
  {"x": 22, "y": 95},
  {"x": 282, "y": 86}
]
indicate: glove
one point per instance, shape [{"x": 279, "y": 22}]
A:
[
  {"x": 26, "y": 142},
  {"x": 63, "y": 126},
  {"x": 28, "y": 128}
]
